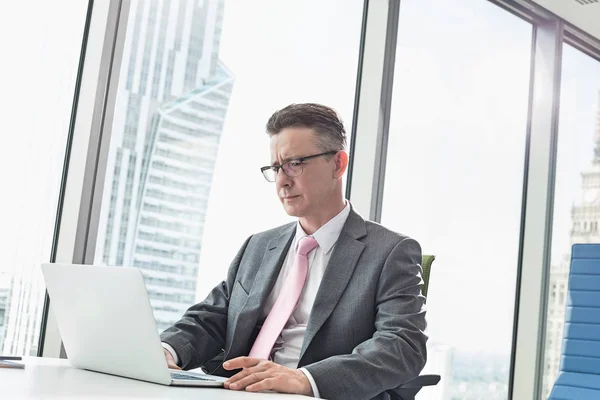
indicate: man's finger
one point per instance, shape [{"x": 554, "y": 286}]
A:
[
  {"x": 245, "y": 372},
  {"x": 173, "y": 365},
  {"x": 249, "y": 380},
  {"x": 240, "y": 375},
  {"x": 265, "y": 384},
  {"x": 241, "y": 362}
]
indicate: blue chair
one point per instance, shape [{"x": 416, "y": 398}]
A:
[{"x": 579, "y": 376}]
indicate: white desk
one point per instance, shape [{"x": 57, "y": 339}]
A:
[{"x": 51, "y": 378}]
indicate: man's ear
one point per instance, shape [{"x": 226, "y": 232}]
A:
[{"x": 341, "y": 164}]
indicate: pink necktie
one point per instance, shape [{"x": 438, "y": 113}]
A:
[{"x": 285, "y": 303}]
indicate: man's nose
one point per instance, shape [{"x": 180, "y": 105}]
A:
[{"x": 281, "y": 179}]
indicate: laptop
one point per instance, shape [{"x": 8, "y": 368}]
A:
[{"x": 107, "y": 324}]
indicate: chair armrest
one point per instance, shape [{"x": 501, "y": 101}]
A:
[
  {"x": 409, "y": 390},
  {"x": 420, "y": 381},
  {"x": 211, "y": 366}
]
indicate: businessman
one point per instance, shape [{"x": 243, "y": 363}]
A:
[{"x": 329, "y": 306}]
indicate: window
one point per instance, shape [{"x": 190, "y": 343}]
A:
[
  {"x": 35, "y": 108},
  {"x": 454, "y": 180},
  {"x": 577, "y": 187},
  {"x": 193, "y": 103}
]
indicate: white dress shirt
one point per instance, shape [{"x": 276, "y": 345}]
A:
[{"x": 287, "y": 348}]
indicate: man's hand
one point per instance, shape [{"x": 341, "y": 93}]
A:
[
  {"x": 170, "y": 360},
  {"x": 258, "y": 375}
]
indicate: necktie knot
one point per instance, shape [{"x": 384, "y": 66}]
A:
[{"x": 306, "y": 244}]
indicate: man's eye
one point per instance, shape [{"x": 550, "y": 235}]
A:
[{"x": 295, "y": 164}]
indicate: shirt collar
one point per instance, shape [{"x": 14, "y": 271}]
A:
[{"x": 327, "y": 235}]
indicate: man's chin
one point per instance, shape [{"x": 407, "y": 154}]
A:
[{"x": 292, "y": 211}]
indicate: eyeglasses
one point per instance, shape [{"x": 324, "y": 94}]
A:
[{"x": 292, "y": 168}]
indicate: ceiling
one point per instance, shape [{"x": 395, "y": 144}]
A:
[{"x": 584, "y": 14}]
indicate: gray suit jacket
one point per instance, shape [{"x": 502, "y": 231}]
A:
[{"x": 365, "y": 331}]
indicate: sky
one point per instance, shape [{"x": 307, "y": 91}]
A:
[
  {"x": 454, "y": 182},
  {"x": 35, "y": 106},
  {"x": 37, "y": 81},
  {"x": 456, "y": 150}
]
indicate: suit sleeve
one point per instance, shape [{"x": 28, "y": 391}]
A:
[
  {"x": 200, "y": 334},
  {"x": 396, "y": 353}
]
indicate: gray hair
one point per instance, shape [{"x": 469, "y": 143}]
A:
[{"x": 323, "y": 120}]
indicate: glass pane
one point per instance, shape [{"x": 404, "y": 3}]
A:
[
  {"x": 576, "y": 197},
  {"x": 198, "y": 82},
  {"x": 38, "y": 82},
  {"x": 454, "y": 180}
]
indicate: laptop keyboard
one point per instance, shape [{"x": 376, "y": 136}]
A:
[{"x": 175, "y": 375}]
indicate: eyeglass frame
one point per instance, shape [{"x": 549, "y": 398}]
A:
[{"x": 301, "y": 160}]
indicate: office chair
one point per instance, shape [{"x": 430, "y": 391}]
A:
[
  {"x": 426, "y": 265},
  {"x": 409, "y": 390},
  {"x": 579, "y": 376}
]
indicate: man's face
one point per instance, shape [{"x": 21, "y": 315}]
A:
[{"x": 312, "y": 191}]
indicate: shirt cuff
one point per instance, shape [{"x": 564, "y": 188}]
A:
[
  {"x": 171, "y": 350},
  {"x": 312, "y": 382}
]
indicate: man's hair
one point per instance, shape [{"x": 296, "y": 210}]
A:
[{"x": 323, "y": 120}]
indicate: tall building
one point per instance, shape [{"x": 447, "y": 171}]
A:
[
  {"x": 21, "y": 303},
  {"x": 4, "y": 295},
  {"x": 169, "y": 117},
  {"x": 585, "y": 215}
]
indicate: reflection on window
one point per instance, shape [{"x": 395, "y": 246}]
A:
[
  {"x": 198, "y": 82},
  {"x": 454, "y": 179},
  {"x": 577, "y": 193}
]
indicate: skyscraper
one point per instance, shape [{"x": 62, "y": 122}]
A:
[
  {"x": 171, "y": 107},
  {"x": 21, "y": 303},
  {"x": 585, "y": 215},
  {"x": 4, "y": 295}
]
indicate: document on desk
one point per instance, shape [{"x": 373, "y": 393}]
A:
[{"x": 11, "y": 364}]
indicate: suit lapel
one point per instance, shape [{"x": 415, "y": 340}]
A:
[
  {"x": 266, "y": 276},
  {"x": 338, "y": 273},
  {"x": 269, "y": 269}
]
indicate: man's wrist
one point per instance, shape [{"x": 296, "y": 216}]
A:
[
  {"x": 313, "y": 390},
  {"x": 306, "y": 388},
  {"x": 171, "y": 350}
]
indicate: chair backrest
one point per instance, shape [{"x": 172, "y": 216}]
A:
[
  {"x": 426, "y": 265},
  {"x": 581, "y": 342},
  {"x": 409, "y": 390}
]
